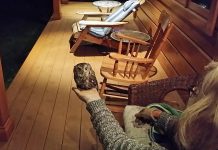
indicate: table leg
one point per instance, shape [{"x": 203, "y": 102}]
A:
[
  {"x": 99, "y": 9},
  {"x": 110, "y": 10}
]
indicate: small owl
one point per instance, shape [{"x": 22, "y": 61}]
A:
[{"x": 84, "y": 76}]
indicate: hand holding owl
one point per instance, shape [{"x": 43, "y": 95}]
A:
[
  {"x": 86, "y": 82},
  {"x": 87, "y": 95}
]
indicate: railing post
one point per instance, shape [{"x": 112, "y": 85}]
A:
[
  {"x": 56, "y": 10},
  {"x": 64, "y": 1},
  {"x": 6, "y": 123}
]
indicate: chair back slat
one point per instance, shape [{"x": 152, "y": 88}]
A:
[
  {"x": 132, "y": 72},
  {"x": 128, "y": 47},
  {"x": 126, "y": 69},
  {"x": 133, "y": 49},
  {"x": 115, "y": 70},
  {"x": 120, "y": 46},
  {"x": 137, "y": 50},
  {"x": 131, "y": 69},
  {"x": 127, "y": 53}
]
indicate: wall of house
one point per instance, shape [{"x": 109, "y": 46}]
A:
[{"x": 187, "y": 49}]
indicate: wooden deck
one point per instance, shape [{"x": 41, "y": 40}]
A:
[{"x": 46, "y": 112}]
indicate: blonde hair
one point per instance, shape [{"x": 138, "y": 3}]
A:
[{"x": 198, "y": 125}]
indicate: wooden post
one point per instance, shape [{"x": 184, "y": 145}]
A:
[
  {"x": 6, "y": 123},
  {"x": 56, "y": 10},
  {"x": 64, "y": 1}
]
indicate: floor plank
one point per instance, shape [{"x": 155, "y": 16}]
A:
[
  {"x": 72, "y": 132},
  {"x": 58, "y": 120},
  {"x": 31, "y": 110},
  {"x": 39, "y": 130},
  {"x": 25, "y": 69}
]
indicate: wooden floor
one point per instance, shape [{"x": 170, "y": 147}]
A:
[{"x": 46, "y": 112}]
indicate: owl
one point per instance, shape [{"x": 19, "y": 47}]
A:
[{"x": 84, "y": 76}]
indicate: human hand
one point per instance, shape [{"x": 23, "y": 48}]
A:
[
  {"x": 143, "y": 116},
  {"x": 147, "y": 115},
  {"x": 87, "y": 95}
]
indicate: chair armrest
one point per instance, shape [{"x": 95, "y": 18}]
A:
[
  {"x": 127, "y": 37},
  {"x": 154, "y": 92},
  {"x": 93, "y": 14},
  {"x": 101, "y": 23},
  {"x": 126, "y": 58}
]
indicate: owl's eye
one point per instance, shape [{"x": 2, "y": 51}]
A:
[{"x": 86, "y": 68}]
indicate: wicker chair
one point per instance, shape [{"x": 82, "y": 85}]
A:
[{"x": 155, "y": 91}]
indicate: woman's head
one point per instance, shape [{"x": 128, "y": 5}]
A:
[
  {"x": 210, "y": 82},
  {"x": 198, "y": 125}
]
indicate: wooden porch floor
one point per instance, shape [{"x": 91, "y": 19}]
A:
[{"x": 46, "y": 112}]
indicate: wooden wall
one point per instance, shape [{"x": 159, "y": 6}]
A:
[{"x": 187, "y": 49}]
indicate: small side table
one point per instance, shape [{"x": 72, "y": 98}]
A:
[
  {"x": 137, "y": 34},
  {"x": 108, "y": 4}
]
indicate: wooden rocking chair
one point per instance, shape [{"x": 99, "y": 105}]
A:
[
  {"x": 129, "y": 65},
  {"x": 98, "y": 31}
]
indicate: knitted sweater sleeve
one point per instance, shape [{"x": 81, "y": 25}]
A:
[
  {"x": 167, "y": 123},
  {"x": 109, "y": 131}
]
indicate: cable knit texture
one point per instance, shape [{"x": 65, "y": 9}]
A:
[{"x": 109, "y": 131}]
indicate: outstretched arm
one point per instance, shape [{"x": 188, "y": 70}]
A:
[{"x": 108, "y": 129}]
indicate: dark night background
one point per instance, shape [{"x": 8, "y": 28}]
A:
[{"x": 22, "y": 21}]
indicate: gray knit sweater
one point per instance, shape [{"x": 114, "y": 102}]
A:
[{"x": 111, "y": 134}]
